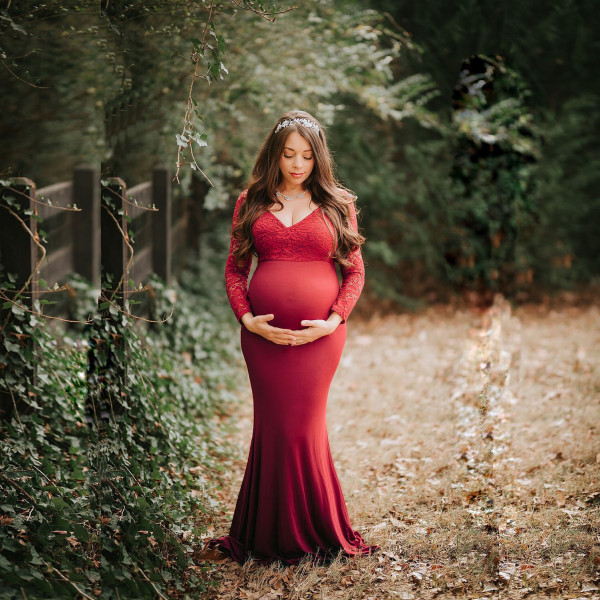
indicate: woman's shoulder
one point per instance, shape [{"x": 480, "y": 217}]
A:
[
  {"x": 238, "y": 204},
  {"x": 241, "y": 198},
  {"x": 346, "y": 194}
]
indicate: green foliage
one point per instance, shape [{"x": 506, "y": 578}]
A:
[
  {"x": 512, "y": 183},
  {"x": 403, "y": 191},
  {"x": 267, "y": 73},
  {"x": 492, "y": 204},
  {"x": 551, "y": 45},
  {"x": 565, "y": 246},
  {"x": 271, "y": 73},
  {"x": 110, "y": 486}
]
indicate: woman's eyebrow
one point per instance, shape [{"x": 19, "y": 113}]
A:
[{"x": 292, "y": 149}]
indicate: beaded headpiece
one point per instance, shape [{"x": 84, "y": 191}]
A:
[{"x": 301, "y": 120}]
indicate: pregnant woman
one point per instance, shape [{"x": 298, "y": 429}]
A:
[{"x": 293, "y": 313}]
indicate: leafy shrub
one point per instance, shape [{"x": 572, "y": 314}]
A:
[{"x": 114, "y": 501}]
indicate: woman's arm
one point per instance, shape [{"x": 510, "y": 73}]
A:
[
  {"x": 353, "y": 278},
  {"x": 236, "y": 277}
]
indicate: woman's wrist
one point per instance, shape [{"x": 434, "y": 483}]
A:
[
  {"x": 245, "y": 318},
  {"x": 335, "y": 319}
]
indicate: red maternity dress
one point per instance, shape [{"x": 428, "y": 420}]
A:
[{"x": 290, "y": 503}]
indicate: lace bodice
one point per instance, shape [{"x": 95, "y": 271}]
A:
[{"x": 310, "y": 239}]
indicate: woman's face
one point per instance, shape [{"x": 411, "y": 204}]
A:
[{"x": 297, "y": 160}]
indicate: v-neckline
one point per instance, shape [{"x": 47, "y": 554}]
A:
[{"x": 293, "y": 224}]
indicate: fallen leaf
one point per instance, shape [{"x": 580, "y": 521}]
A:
[
  {"x": 398, "y": 523},
  {"x": 415, "y": 577},
  {"x": 503, "y": 577}
]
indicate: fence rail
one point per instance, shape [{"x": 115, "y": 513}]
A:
[{"x": 92, "y": 228}]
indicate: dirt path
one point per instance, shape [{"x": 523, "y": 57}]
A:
[{"x": 467, "y": 447}]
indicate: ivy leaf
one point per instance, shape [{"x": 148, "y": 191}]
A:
[
  {"x": 197, "y": 44},
  {"x": 11, "y": 346}
]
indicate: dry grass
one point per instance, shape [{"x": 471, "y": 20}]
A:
[{"x": 467, "y": 447}]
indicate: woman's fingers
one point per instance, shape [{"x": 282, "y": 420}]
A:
[
  {"x": 306, "y": 338},
  {"x": 280, "y": 330},
  {"x": 266, "y": 328},
  {"x": 263, "y": 324},
  {"x": 313, "y": 323},
  {"x": 282, "y": 341},
  {"x": 279, "y": 336},
  {"x": 289, "y": 340},
  {"x": 264, "y": 318},
  {"x": 288, "y": 337}
]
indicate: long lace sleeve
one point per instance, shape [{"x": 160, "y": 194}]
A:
[
  {"x": 236, "y": 277},
  {"x": 353, "y": 278}
]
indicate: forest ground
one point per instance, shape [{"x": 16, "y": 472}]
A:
[{"x": 466, "y": 443}]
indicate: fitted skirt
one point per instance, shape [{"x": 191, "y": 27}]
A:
[{"x": 290, "y": 503}]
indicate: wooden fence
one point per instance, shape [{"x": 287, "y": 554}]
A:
[
  {"x": 85, "y": 240},
  {"x": 155, "y": 230},
  {"x": 91, "y": 227}
]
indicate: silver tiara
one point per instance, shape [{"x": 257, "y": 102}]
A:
[{"x": 300, "y": 120}]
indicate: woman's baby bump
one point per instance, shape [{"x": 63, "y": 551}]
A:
[{"x": 293, "y": 291}]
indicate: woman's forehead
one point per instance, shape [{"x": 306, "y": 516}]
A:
[{"x": 296, "y": 142}]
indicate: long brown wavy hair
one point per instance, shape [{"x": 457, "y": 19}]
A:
[{"x": 326, "y": 192}]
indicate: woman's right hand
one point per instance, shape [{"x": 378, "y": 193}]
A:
[{"x": 259, "y": 324}]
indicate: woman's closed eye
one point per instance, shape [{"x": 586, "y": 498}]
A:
[{"x": 305, "y": 157}]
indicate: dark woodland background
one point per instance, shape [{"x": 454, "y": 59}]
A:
[{"x": 467, "y": 129}]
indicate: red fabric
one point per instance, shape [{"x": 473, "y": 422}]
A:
[
  {"x": 308, "y": 240},
  {"x": 290, "y": 503}
]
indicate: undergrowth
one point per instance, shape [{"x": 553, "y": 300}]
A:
[{"x": 109, "y": 464}]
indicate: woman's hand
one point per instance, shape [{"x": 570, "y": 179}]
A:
[
  {"x": 259, "y": 324},
  {"x": 316, "y": 328}
]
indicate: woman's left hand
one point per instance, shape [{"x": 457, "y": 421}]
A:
[{"x": 316, "y": 328}]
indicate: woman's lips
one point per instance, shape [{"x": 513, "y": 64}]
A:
[{"x": 296, "y": 174}]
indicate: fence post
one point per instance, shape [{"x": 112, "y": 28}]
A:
[
  {"x": 19, "y": 254},
  {"x": 161, "y": 223},
  {"x": 113, "y": 248},
  {"x": 106, "y": 372},
  {"x": 86, "y": 225}
]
